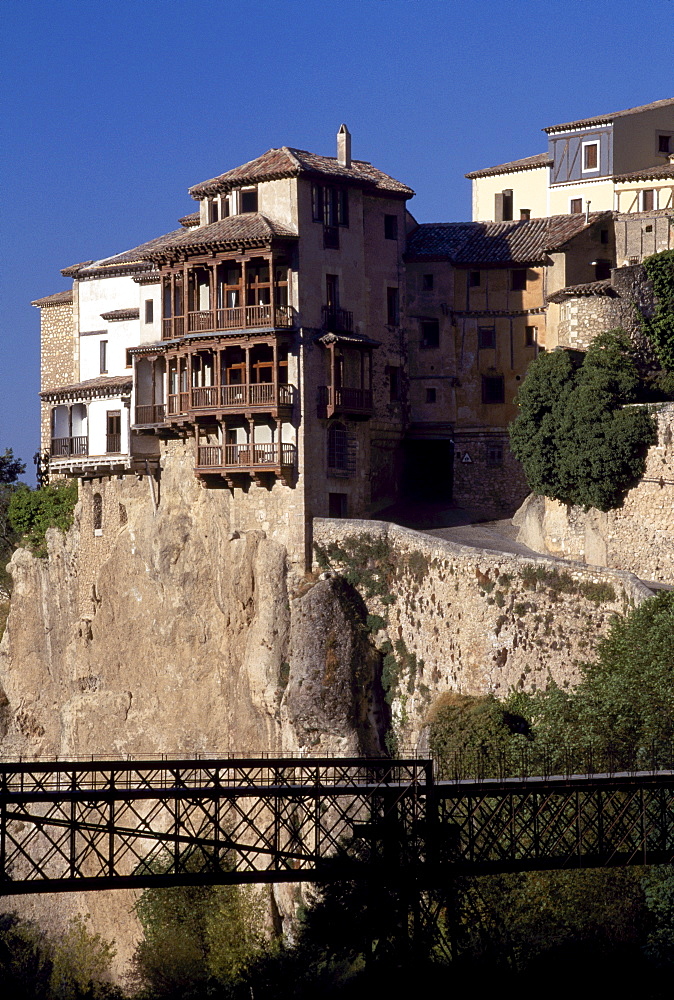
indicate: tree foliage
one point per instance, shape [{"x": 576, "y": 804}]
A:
[
  {"x": 575, "y": 436},
  {"x": 659, "y": 327},
  {"x": 32, "y": 512}
]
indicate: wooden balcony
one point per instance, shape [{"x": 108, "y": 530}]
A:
[
  {"x": 236, "y": 318},
  {"x": 255, "y": 460},
  {"x": 64, "y": 447},
  {"x": 150, "y": 414},
  {"x": 344, "y": 401},
  {"x": 261, "y": 397},
  {"x": 337, "y": 320}
]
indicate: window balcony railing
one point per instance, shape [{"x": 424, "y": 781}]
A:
[
  {"x": 153, "y": 413},
  {"x": 345, "y": 399},
  {"x": 113, "y": 444},
  {"x": 233, "y": 318},
  {"x": 263, "y": 395},
  {"x": 336, "y": 320},
  {"x": 64, "y": 447},
  {"x": 245, "y": 456}
]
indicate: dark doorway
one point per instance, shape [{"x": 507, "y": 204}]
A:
[
  {"x": 429, "y": 468},
  {"x": 337, "y": 504}
]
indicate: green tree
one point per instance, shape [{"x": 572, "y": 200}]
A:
[
  {"x": 575, "y": 436},
  {"x": 32, "y": 512}
]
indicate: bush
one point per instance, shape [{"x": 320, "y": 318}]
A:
[
  {"x": 32, "y": 512},
  {"x": 574, "y": 435}
]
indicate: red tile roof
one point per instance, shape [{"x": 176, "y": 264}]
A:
[
  {"x": 192, "y": 219},
  {"x": 57, "y": 299},
  {"x": 599, "y": 119},
  {"x": 590, "y": 288},
  {"x": 528, "y": 163},
  {"x": 249, "y": 228},
  {"x": 127, "y": 262},
  {"x": 648, "y": 173},
  {"x": 524, "y": 242},
  {"x": 117, "y": 315},
  {"x": 289, "y": 162}
]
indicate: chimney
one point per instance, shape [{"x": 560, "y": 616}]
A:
[{"x": 344, "y": 146}]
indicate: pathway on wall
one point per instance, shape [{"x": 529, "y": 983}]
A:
[{"x": 470, "y": 526}]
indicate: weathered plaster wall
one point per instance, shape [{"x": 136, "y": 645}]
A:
[{"x": 638, "y": 537}]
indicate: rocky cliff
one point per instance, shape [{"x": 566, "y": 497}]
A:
[{"x": 183, "y": 636}]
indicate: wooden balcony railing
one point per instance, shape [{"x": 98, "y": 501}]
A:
[
  {"x": 345, "y": 399},
  {"x": 150, "y": 414},
  {"x": 231, "y": 397},
  {"x": 113, "y": 444},
  {"x": 337, "y": 320},
  {"x": 64, "y": 447},
  {"x": 234, "y": 318},
  {"x": 244, "y": 456}
]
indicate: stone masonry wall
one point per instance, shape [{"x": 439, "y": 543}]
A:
[
  {"x": 638, "y": 537},
  {"x": 58, "y": 360},
  {"x": 486, "y": 473},
  {"x": 464, "y": 619}
]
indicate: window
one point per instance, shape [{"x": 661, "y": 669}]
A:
[
  {"x": 494, "y": 455},
  {"x": 530, "y": 336},
  {"x": 103, "y": 348},
  {"x": 393, "y": 372},
  {"x": 392, "y": 313},
  {"x": 602, "y": 270},
  {"x": 603, "y": 235},
  {"x": 391, "y": 227},
  {"x": 576, "y": 206},
  {"x": 493, "y": 390},
  {"x": 332, "y": 291},
  {"x": 97, "y": 513},
  {"x": 338, "y": 447},
  {"x": 486, "y": 337},
  {"x": 113, "y": 425},
  {"x": 129, "y": 358},
  {"x": 503, "y": 206},
  {"x": 427, "y": 283},
  {"x": 149, "y": 310},
  {"x": 213, "y": 213},
  {"x": 590, "y": 156},
  {"x": 648, "y": 229},
  {"x": 249, "y": 200},
  {"x": 664, "y": 142},
  {"x": 648, "y": 200},
  {"x": 430, "y": 333},
  {"x": 525, "y": 214},
  {"x": 329, "y": 205},
  {"x": 337, "y": 505},
  {"x": 431, "y": 395},
  {"x": 518, "y": 279},
  {"x": 474, "y": 279}
]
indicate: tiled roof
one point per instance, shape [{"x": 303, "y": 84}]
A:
[
  {"x": 289, "y": 162},
  {"x": 117, "y": 315},
  {"x": 604, "y": 287},
  {"x": 57, "y": 299},
  {"x": 250, "y": 227},
  {"x": 190, "y": 220},
  {"x": 495, "y": 242},
  {"x": 127, "y": 262},
  {"x": 528, "y": 163},
  {"x": 103, "y": 385},
  {"x": 598, "y": 119},
  {"x": 648, "y": 173}
]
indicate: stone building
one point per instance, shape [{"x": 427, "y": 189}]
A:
[
  {"x": 476, "y": 317},
  {"x": 587, "y": 165}
]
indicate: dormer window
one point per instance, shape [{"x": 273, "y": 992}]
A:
[
  {"x": 213, "y": 210},
  {"x": 248, "y": 199}
]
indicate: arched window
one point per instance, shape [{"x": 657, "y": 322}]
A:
[
  {"x": 98, "y": 511},
  {"x": 337, "y": 447}
]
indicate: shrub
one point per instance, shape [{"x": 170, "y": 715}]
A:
[{"x": 32, "y": 512}]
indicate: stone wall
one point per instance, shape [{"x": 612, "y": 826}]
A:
[
  {"x": 638, "y": 537},
  {"x": 464, "y": 619},
  {"x": 639, "y": 234},
  {"x": 486, "y": 473},
  {"x": 58, "y": 357}
]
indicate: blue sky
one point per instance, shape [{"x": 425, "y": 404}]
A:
[{"x": 112, "y": 109}]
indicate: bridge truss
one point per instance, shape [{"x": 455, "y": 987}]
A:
[{"x": 116, "y": 824}]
